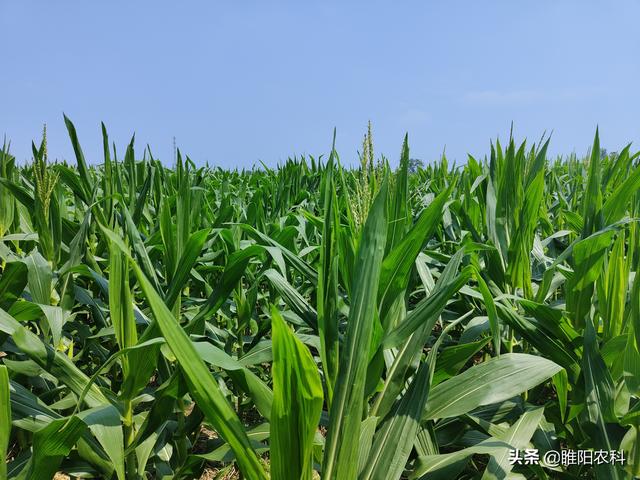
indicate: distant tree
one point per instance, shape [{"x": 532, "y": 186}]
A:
[{"x": 415, "y": 164}]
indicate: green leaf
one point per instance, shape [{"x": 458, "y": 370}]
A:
[
  {"x": 291, "y": 296},
  {"x": 492, "y": 313},
  {"x": 408, "y": 354},
  {"x": 56, "y": 318},
  {"x": 30, "y": 414},
  {"x": 346, "y": 409},
  {"x": 297, "y": 404},
  {"x": 296, "y": 262},
  {"x": 39, "y": 278},
  {"x": 615, "y": 280},
  {"x": 120, "y": 301},
  {"x": 397, "y": 265},
  {"x": 452, "y": 359},
  {"x": 248, "y": 381},
  {"x": 104, "y": 423},
  {"x": 547, "y": 334},
  {"x": 617, "y": 202},
  {"x": 588, "y": 257},
  {"x": 192, "y": 250},
  {"x": 12, "y": 283},
  {"x": 202, "y": 386},
  {"x": 430, "y": 466},
  {"x": 54, "y": 362},
  {"x": 87, "y": 181},
  {"x": 50, "y": 445},
  {"x": 394, "y": 440},
  {"x": 592, "y": 198},
  {"x": 139, "y": 247},
  {"x": 599, "y": 398},
  {"x": 367, "y": 430},
  {"x": 517, "y": 437},
  {"x": 328, "y": 278},
  {"x": 493, "y": 381},
  {"x": 233, "y": 272},
  {"x": 430, "y": 307},
  {"x": 400, "y": 216},
  {"x": 5, "y": 420},
  {"x": 225, "y": 454}
]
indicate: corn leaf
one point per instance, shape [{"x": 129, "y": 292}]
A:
[{"x": 297, "y": 403}]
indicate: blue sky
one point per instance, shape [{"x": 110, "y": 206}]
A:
[{"x": 238, "y": 82}]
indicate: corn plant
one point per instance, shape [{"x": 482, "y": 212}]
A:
[{"x": 318, "y": 321}]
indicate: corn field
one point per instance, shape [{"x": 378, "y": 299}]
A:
[{"x": 317, "y": 321}]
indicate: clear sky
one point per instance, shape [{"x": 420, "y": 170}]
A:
[{"x": 238, "y": 82}]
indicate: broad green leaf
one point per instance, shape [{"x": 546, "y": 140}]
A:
[
  {"x": 616, "y": 204},
  {"x": 201, "y": 384},
  {"x": 50, "y": 445},
  {"x": 493, "y": 381},
  {"x": 192, "y": 249},
  {"x": 233, "y": 272},
  {"x": 547, "y": 334},
  {"x": 295, "y": 261},
  {"x": 293, "y": 299},
  {"x": 40, "y": 277},
  {"x": 453, "y": 359},
  {"x": 30, "y": 414},
  {"x": 588, "y": 257},
  {"x": 394, "y": 440},
  {"x": 367, "y": 430},
  {"x": 430, "y": 307},
  {"x": 253, "y": 386},
  {"x": 592, "y": 198},
  {"x": 139, "y": 247},
  {"x": 5, "y": 420},
  {"x": 328, "y": 278},
  {"x": 492, "y": 313},
  {"x": 429, "y": 466},
  {"x": 60, "y": 366},
  {"x": 225, "y": 454},
  {"x": 297, "y": 403},
  {"x": 517, "y": 437},
  {"x": 12, "y": 283},
  {"x": 599, "y": 398},
  {"x": 54, "y": 362},
  {"x": 397, "y": 265},
  {"x": 346, "y": 409},
  {"x": 409, "y": 352},
  {"x": 83, "y": 170},
  {"x": 615, "y": 280}
]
